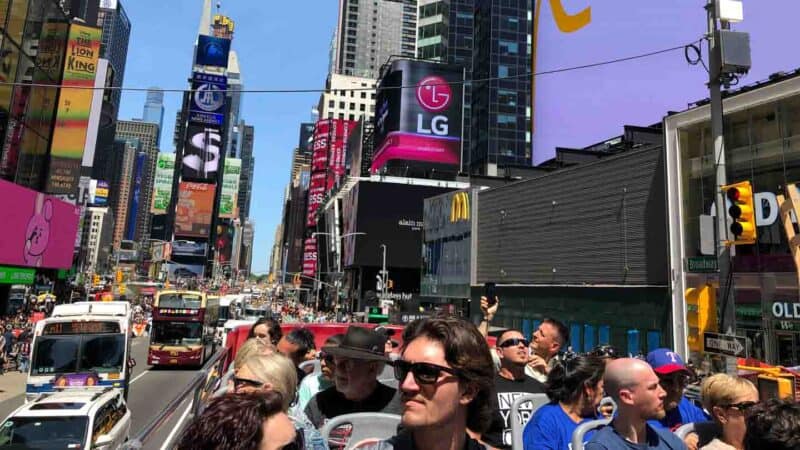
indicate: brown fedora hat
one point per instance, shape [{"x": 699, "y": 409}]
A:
[{"x": 360, "y": 343}]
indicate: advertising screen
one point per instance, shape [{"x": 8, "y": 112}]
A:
[
  {"x": 390, "y": 214},
  {"x": 133, "y": 211},
  {"x": 422, "y": 123},
  {"x": 188, "y": 248},
  {"x": 202, "y": 152},
  {"x": 319, "y": 155},
  {"x": 310, "y": 257},
  {"x": 176, "y": 271},
  {"x": 38, "y": 230},
  {"x": 316, "y": 192},
  {"x": 224, "y": 244},
  {"x": 162, "y": 183},
  {"x": 577, "y": 108},
  {"x": 339, "y": 135},
  {"x": 208, "y": 99},
  {"x": 230, "y": 188},
  {"x": 195, "y": 206},
  {"x": 72, "y": 115},
  {"x": 100, "y": 192},
  {"x": 212, "y": 51}
]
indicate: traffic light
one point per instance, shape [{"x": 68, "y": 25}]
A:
[
  {"x": 297, "y": 281},
  {"x": 701, "y": 314},
  {"x": 96, "y": 280},
  {"x": 119, "y": 276},
  {"x": 741, "y": 212}
]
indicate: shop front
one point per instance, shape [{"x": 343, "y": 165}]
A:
[{"x": 762, "y": 139}]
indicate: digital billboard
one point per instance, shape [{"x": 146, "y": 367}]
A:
[
  {"x": 224, "y": 243},
  {"x": 72, "y": 115},
  {"x": 577, "y": 108},
  {"x": 230, "y": 188},
  {"x": 422, "y": 123},
  {"x": 310, "y": 257},
  {"x": 98, "y": 192},
  {"x": 133, "y": 210},
  {"x": 162, "y": 183},
  {"x": 212, "y": 51},
  {"x": 38, "y": 230},
  {"x": 188, "y": 248},
  {"x": 339, "y": 135},
  {"x": 316, "y": 192},
  {"x": 195, "y": 207},
  {"x": 319, "y": 155},
  {"x": 390, "y": 214},
  {"x": 176, "y": 271},
  {"x": 202, "y": 152},
  {"x": 208, "y": 99}
]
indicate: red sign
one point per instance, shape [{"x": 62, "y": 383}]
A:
[
  {"x": 310, "y": 257},
  {"x": 434, "y": 94},
  {"x": 336, "y": 155}
]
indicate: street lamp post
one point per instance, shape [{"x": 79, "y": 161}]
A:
[{"x": 384, "y": 275}]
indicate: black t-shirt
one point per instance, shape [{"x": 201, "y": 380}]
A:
[
  {"x": 499, "y": 433},
  {"x": 331, "y": 403}
]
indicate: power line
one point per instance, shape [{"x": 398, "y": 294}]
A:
[{"x": 305, "y": 91}]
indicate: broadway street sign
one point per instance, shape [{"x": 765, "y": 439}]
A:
[{"x": 723, "y": 344}]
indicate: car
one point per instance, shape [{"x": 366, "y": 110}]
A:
[
  {"x": 184, "y": 273},
  {"x": 73, "y": 418}
]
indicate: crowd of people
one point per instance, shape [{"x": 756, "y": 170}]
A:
[{"x": 452, "y": 391}]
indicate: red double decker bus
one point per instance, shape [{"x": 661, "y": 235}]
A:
[{"x": 184, "y": 327}]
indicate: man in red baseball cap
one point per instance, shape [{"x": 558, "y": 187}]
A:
[{"x": 674, "y": 377}]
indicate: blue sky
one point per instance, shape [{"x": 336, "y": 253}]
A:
[{"x": 281, "y": 45}]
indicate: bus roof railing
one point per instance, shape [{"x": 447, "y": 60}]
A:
[{"x": 194, "y": 390}]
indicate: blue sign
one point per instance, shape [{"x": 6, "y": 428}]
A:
[
  {"x": 208, "y": 99},
  {"x": 212, "y": 51},
  {"x": 137, "y": 191}
]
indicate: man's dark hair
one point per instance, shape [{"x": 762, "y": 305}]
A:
[
  {"x": 466, "y": 350},
  {"x": 273, "y": 327},
  {"x": 335, "y": 339},
  {"x": 568, "y": 378},
  {"x": 773, "y": 425},
  {"x": 561, "y": 330},
  {"x": 303, "y": 338},
  {"x": 232, "y": 422}
]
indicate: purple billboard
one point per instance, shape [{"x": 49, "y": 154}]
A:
[
  {"x": 422, "y": 123},
  {"x": 577, "y": 108},
  {"x": 38, "y": 230}
]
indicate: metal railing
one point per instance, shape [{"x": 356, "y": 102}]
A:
[{"x": 199, "y": 388}]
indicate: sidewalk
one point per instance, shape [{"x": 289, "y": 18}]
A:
[{"x": 12, "y": 384}]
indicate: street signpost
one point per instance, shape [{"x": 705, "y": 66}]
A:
[{"x": 726, "y": 345}]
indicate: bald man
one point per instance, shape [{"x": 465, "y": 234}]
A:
[{"x": 639, "y": 396}]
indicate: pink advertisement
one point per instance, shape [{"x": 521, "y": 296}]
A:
[
  {"x": 38, "y": 230},
  {"x": 319, "y": 155},
  {"x": 316, "y": 192},
  {"x": 310, "y": 257},
  {"x": 340, "y": 133}
]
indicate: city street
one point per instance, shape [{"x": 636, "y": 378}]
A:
[{"x": 151, "y": 390}]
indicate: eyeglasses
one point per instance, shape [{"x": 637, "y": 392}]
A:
[
  {"x": 239, "y": 383},
  {"x": 678, "y": 380},
  {"x": 424, "y": 373},
  {"x": 328, "y": 358},
  {"x": 513, "y": 342},
  {"x": 741, "y": 406},
  {"x": 299, "y": 442}
]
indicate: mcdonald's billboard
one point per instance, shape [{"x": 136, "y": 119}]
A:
[
  {"x": 459, "y": 207},
  {"x": 447, "y": 242}
]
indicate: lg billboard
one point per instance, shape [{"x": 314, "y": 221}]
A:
[
  {"x": 422, "y": 121},
  {"x": 577, "y": 108}
]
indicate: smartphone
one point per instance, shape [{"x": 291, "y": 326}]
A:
[{"x": 489, "y": 293}]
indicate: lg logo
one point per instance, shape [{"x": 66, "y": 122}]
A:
[{"x": 434, "y": 95}]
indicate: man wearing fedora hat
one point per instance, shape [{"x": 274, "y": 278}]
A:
[{"x": 358, "y": 361}]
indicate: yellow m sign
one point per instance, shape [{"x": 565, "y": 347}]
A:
[{"x": 459, "y": 207}]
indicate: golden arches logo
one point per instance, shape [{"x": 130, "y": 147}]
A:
[
  {"x": 459, "y": 207},
  {"x": 569, "y": 23}
]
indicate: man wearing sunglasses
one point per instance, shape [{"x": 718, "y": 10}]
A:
[
  {"x": 443, "y": 392},
  {"x": 673, "y": 377},
  {"x": 510, "y": 382},
  {"x": 357, "y": 361}
]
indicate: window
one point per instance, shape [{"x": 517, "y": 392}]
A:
[
  {"x": 363, "y": 94},
  {"x": 341, "y": 105},
  {"x": 502, "y": 71},
  {"x": 506, "y": 121},
  {"x": 507, "y": 97},
  {"x": 331, "y": 103},
  {"x": 362, "y": 107},
  {"x": 508, "y": 48},
  {"x": 352, "y": 106}
]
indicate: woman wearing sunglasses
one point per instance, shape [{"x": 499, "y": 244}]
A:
[
  {"x": 728, "y": 399},
  {"x": 445, "y": 373},
  {"x": 575, "y": 388},
  {"x": 243, "y": 422},
  {"x": 276, "y": 373}
]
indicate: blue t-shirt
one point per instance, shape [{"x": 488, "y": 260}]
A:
[
  {"x": 686, "y": 412},
  {"x": 550, "y": 428},
  {"x": 607, "y": 438}
]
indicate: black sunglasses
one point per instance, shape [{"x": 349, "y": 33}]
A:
[
  {"x": 424, "y": 373},
  {"x": 513, "y": 342},
  {"x": 239, "y": 383},
  {"x": 673, "y": 380},
  {"x": 741, "y": 406},
  {"x": 299, "y": 442},
  {"x": 328, "y": 358}
]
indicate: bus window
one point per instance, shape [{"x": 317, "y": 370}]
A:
[
  {"x": 653, "y": 340},
  {"x": 633, "y": 343},
  {"x": 575, "y": 337},
  {"x": 527, "y": 327},
  {"x": 603, "y": 334},
  {"x": 588, "y": 337}
]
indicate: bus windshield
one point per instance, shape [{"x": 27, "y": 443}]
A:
[
  {"x": 180, "y": 300},
  {"x": 177, "y": 333},
  {"x": 103, "y": 353},
  {"x": 44, "y": 433}
]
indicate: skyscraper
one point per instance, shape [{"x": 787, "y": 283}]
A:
[
  {"x": 154, "y": 109},
  {"x": 146, "y": 133},
  {"x": 501, "y": 96},
  {"x": 248, "y": 167},
  {"x": 370, "y": 31},
  {"x": 120, "y": 162},
  {"x": 444, "y": 30}
]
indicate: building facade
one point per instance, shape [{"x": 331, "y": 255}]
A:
[
  {"x": 248, "y": 169},
  {"x": 501, "y": 95},
  {"x": 98, "y": 234},
  {"x": 120, "y": 183},
  {"x": 147, "y": 134},
  {"x": 347, "y": 97},
  {"x": 154, "y": 110},
  {"x": 371, "y": 31}
]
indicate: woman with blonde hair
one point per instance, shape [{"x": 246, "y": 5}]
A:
[
  {"x": 276, "y": 373},
  {"x": 727, "y": 399}
]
